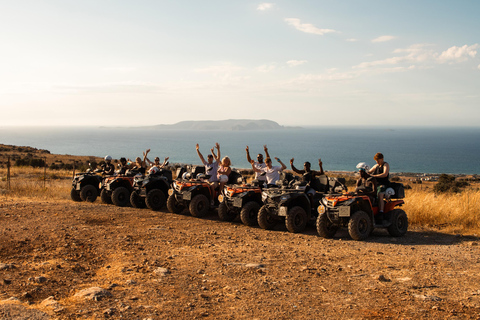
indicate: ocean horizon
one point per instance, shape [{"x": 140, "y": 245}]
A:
[{"x": 433, "y": 150}]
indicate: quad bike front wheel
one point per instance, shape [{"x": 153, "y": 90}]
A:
[
  {"x": 121, "y": 197},
  {"x": 155, "y": 199},
  {"x": 360, "y": 226},
  {"x": 105, "y": 197},
  {"x": 296, "y": 219},
  {"x": 249, "y": 213},
  {"x": 265, "y": 219},
  {"x": 136, "y": 201},
  {"x": 399, "y": 224},
  {"x": 199, "y": 206},
  {"x": 89, "y": 193},
  {"x": 224, "y": 213},
  {"x": 325, "y": 228},
  {"x": 74, "y": 195},
  {"x": 173, "y": 205}
]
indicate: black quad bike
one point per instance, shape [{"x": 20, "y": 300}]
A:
[
  {"x": 294, "y": 204},
  {"x": 360, "y": 215},
  {"x": 242, "y": 200},
  {"x": 86, "y": 185},
  {"x": 151, "y": 191},
  {"x": 193, "y": 191}
]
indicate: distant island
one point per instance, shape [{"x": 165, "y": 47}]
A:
[{"x": 224, "y": 125}]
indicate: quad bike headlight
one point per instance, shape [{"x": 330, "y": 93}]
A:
[
  {"x": 221, "y": 198},
  {"x": 170, "y": 192},
  {"x": 321, "y": 209},
  {"x": 264, "y": 196}
]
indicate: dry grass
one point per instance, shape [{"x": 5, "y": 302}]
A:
[{"x": 455, "y": 213}]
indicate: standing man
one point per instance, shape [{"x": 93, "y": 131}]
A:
[
  {"x": 211, "y": 167},
  {"x": 381, "y": 172},
  {"x": 259, "y": 164},
  {"x": 272, "y": 173}
]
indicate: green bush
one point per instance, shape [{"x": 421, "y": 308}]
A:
[{"x": 447, "y": 183}]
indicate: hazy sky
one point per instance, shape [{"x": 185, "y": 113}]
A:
[{"x": 145, "y": 62}]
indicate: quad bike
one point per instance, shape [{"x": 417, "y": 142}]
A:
[
  {"x": 86, "y": 185},
  {"x": 193, "y": 191},
  {"x": 242, "y": 200},
  {"x": 360, "y": 214},
  {"x": 294, "y": 204},
  {"x": 151, "y": 191},
  {"x": 117, "y": 189}
]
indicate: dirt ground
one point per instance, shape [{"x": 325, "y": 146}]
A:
[{"x": 158, "y": 265}]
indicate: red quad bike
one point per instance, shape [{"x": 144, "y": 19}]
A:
[
  {"x": 360, "y": 215},
  {"x": 193, "y": 191},
  {"x": 117, "y": 189},
  {"x": 242, "y": 200}
]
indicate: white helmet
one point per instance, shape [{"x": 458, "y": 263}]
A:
[
  {"x": 389, "y": 192},
  {"x": 153, "y": 170},
  {"x": 108, "y": 158},
  {"x": 363, "y": 166}
]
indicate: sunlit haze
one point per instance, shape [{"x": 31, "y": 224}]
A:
[{"x": 131, "y": 63}]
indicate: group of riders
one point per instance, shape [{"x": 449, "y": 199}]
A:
[{"x": 372, "y": 181}]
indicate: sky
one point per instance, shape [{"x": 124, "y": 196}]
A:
[{"x": 299, "y": 63}]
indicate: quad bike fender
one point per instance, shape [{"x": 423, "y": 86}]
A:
[
  {"x": 161, "y": 184},
  {"x": 194, "y": 191},
  {"x": 295, "y": 200}
]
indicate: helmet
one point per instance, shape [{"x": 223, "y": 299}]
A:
[
  {"x": 153, "y": 170},
  {"x": 108, "y": 158},
  {"x": 389, "y": 192},
  {"x": 186, "y": 175},
  {"x": 363, "y": 166},
  {"x": 223, "y": 178},
  {"x": 201, "y": 176}
]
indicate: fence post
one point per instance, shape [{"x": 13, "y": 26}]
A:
[
  {"x": 8, "y": 172},
  {"x": 45, "y": 173},
  {"x": 74, "y": 162}
]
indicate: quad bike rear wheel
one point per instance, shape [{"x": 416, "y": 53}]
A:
[
  {"x": 249, "y": 213},
  {"x": 360, "y": 225},
  {"x": 325, "y": 228},
  {"x": 136, "y": 201},
  {"x": 265, "y": 219},
  {"x": 224, "y": 214},
  {"x": 105, "y": 197},
  {"x": 296, "y": 219},
  {"x": 399, "y": 224},
  {"x": 74, "y": 195},
  {"x": 121, "y": 196},
  {"x": 173, "y": 205},
  {"x": 89, "y": 193},
  {"x": 155, "y": 199},
  {"x": 199, "y": 206}
]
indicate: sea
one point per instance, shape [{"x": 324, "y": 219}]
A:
[{"x": 407, "y": 150}]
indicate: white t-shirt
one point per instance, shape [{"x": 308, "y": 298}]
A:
[
  {"x": 259, "y": 166},
  {"x": 211, "y": 169},
  {"x": 272, "y": 174}
]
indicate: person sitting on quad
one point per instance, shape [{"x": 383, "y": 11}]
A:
[
  {"x": 224, "y": 171},
  {"x": 211, "y": 167},
  {"x": 272, "y": 173},
  {"x": 380, "y": 172},
  {"x": 108, "y": 168},
  {"x": 259, "y": 164},
  {"x": 156, "y": 162},
  {"x": 366, "y": 184},
  {"x": 123, "y": 166},
  {"x": 308, "y": 175}
]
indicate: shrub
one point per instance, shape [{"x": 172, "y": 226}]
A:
[{"x": 447, "y": 183}]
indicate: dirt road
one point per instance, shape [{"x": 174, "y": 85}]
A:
[{"x": 157, "y": 265}]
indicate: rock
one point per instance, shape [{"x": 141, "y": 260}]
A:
[
  {"x": 93, "y": 293},
  {"x": 255, "y": 265},
  {"x": 16, "y": 311},
  {"x": 382, "y": 278},
  {"x": 40, "y": 279},
  {"x": 7, "y": 281},
  {"x": 161, "y": 271},
  {"x": 6, "y": 266},
  {"x": 427, "y": 297},
  {"x": 109, "y": 312}
]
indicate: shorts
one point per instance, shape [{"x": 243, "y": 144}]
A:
[{"x": 381, "y": 189}]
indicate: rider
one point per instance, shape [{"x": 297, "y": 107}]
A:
[
  {"x": 259, "y": 164},
  {"x": 380, "y": 172},
  {"x": 156, "y": 162},
  {"x": 366, "y": 184},
  {"x": 307, "y": 174},
  {"x": 272, "y": 173},
  {"x": 108, "y": 167},
  {"x": 211, "y": 167}
]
